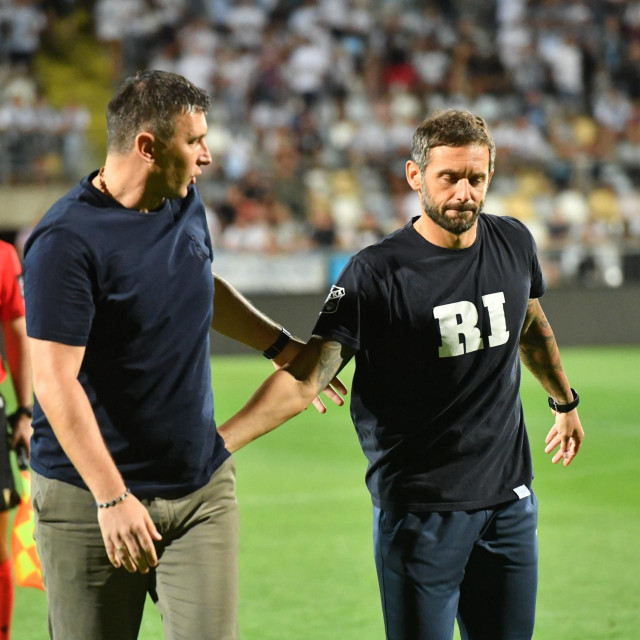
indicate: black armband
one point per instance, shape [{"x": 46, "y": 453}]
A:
[
  {"x": 565, "y": 408},
  {"x": 278, "y": 345}
]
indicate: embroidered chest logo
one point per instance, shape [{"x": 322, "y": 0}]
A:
[
  {"x": 460, "y": 320},
  {"x": 333, "y": 299}
]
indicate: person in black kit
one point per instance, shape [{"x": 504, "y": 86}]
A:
[{"x": 438, "y": 316}]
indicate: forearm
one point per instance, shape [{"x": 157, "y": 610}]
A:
[
  {"x": 15, "y": 336},
  {"x": 287, "y": 392},
  {"x": 69, "y": 412},
  {"x": 278, "y": 399},
  {"x": 540, "y": 354},
  {"x": 235, "y": 317}
]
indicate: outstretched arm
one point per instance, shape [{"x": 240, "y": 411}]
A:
[
  {"x": 235, "y": 317},
  {"x": 287, "y": 392},
  {"x": 539, "y": 352}
]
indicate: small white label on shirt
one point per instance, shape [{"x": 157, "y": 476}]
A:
[
  {"x": 522, "y": 491},
  {"x": 333, "y": 299}
]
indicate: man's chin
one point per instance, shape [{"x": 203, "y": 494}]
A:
[
  {"x": 180, "y": 192},
  {"x": 454, "y": 221}
]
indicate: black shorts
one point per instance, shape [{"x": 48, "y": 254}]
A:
[{"x": 8, "y": 495}]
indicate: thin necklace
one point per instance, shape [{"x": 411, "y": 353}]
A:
[
  {"x": 103, "y": 184},
  {"x": 105, "y": 190}
]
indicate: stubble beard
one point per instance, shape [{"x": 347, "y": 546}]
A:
[{"x": 456, "y": 225}]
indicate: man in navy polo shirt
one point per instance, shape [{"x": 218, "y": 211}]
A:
[
  {"x": 119, "y": 292},
  {"x": 438, "y": 315}
]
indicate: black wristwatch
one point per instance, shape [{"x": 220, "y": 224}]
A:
[
  {"x": 278, "y": 345},
  {"x": 20, "y": 411},
  {"x": 565, "y": 408}
]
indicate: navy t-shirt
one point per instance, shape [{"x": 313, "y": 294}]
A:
[
  {"x": 135, "y": 289},
  {"x": 435, "y": 397}
]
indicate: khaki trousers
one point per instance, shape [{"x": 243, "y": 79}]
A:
[{"x": 195, "y": 584}]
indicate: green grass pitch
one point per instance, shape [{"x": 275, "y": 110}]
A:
[{"x": 306, "y": 565}]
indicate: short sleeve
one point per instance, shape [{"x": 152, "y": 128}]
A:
[
  {"x": 11, "y": 293},
  {"x": 58, "y": 287},
  {"x": 344, "y": 314},
  {"x": 538, "y": 285}
]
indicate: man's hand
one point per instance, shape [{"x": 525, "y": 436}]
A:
[
  {"x": 128, "y": 533},
  {"x": 568, "y": 433},
  {"x": 334, "y": 390},
  {"x": 21, "y": 434}
]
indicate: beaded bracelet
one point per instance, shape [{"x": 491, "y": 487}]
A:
[{"x": 114, "y": 502}]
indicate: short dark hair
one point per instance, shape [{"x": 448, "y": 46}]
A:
[
  {"x": 150, "y": 101},
  {"x": 450, "y": 128}
]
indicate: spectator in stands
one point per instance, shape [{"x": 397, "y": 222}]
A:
[
  {"x": 309, "y": 73},
  {"x": 25, "y": 25}
]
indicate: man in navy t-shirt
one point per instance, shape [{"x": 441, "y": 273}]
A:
[
  {"x": 119, "y": 291},
  {"x": 438, "y": 316}
]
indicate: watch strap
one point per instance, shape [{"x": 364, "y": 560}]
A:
[
  {"x": 281, "y": 342},
  {"x": 565, "y": 408}
]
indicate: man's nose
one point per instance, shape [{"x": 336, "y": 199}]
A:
[
  {"x": 463, "y": 190},
  {"x": 205, "y": 155}
]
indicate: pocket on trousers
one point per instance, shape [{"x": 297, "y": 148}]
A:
[
  {"x": 55, "y": 501},
  {"x": 39, "y": 490}
]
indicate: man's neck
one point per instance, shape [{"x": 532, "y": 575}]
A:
[{"x": 127, "y": 181}]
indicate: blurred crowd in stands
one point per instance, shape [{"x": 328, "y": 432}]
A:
[
  {"x": 315, "y": 103},
  {"x": 37, "y": 142}
]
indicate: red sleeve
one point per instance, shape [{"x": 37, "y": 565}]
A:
[{"x": 11, "y": 294}]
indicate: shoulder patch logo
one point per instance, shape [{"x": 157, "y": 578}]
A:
[{"x": 333, "y": 299}]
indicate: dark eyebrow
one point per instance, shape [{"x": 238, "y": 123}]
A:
[{"x": 452, "y": 172}]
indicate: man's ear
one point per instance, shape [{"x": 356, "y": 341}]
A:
[
  {"x": 414, "y": 177},
  {"x": 145, "y": 146}
]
